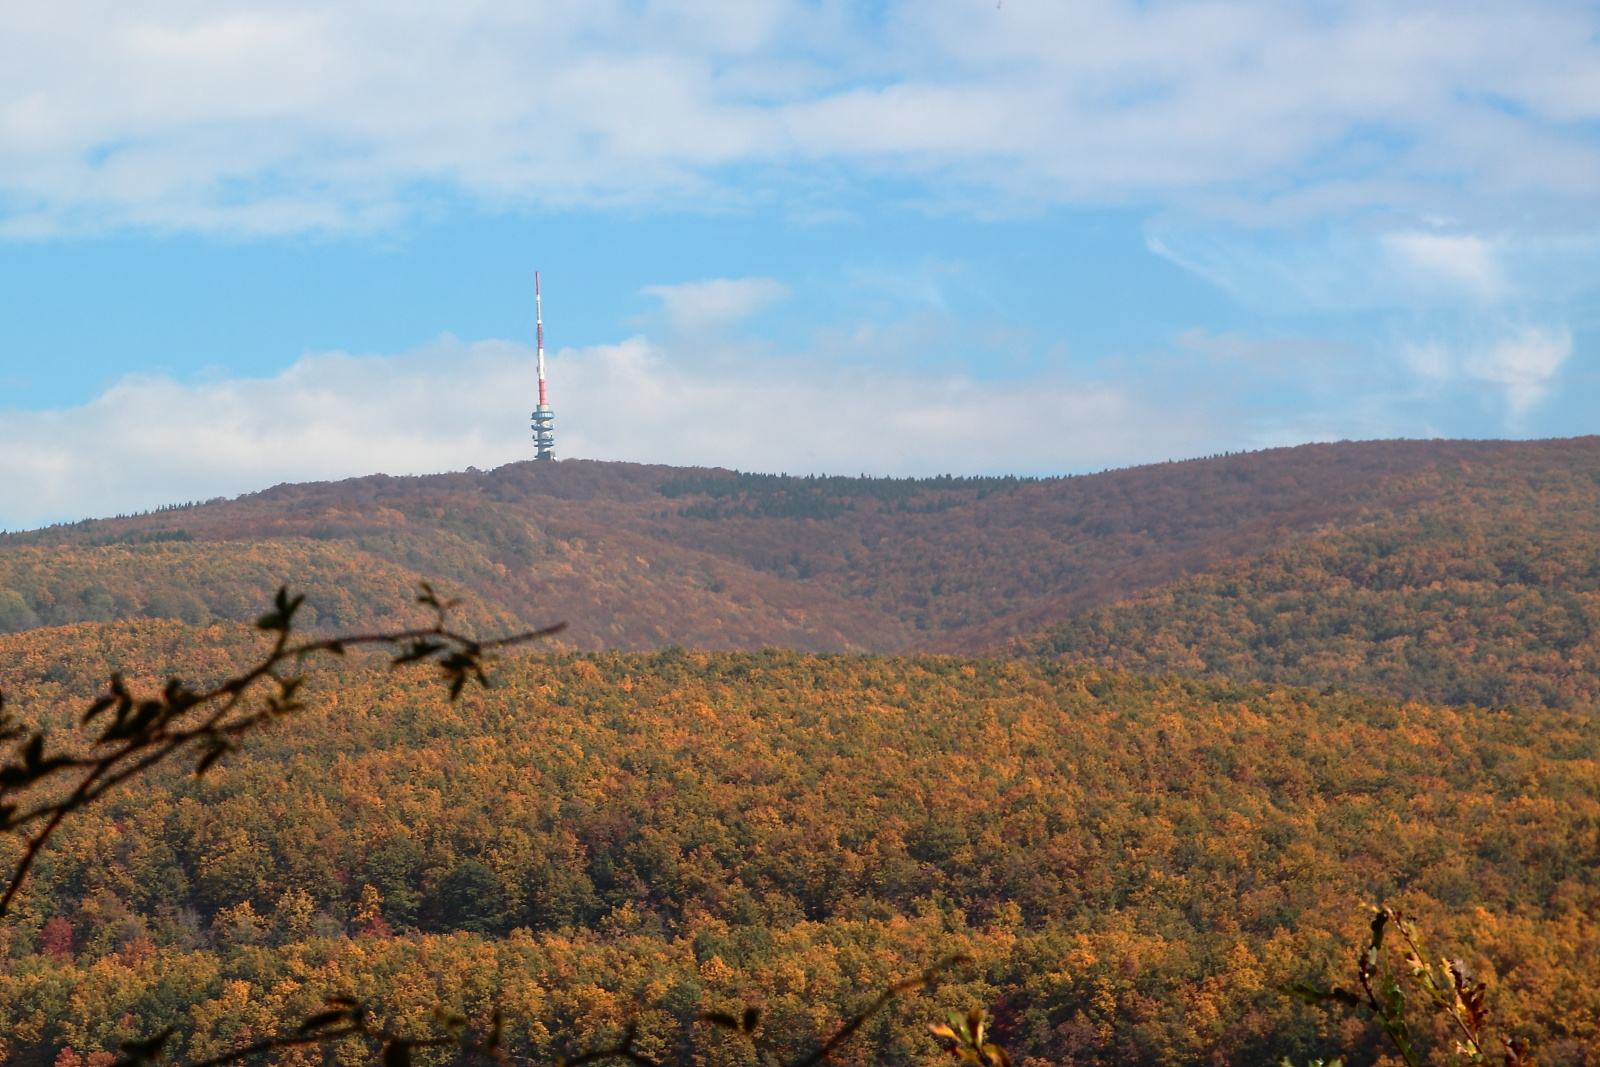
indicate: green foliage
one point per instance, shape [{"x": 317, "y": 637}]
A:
[
  {"x": 142, "y": 537},
  {"x": 782, "y": 496},
  {"x": 14, "y": 612},
  {"x": 471, "y": 898},
  {"x": 196, "y": 582},
  {"x": 1325, "y": 615}
]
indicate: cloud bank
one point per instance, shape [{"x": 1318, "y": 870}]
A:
[
  {"x": 705, "y": 392},
  {"x": 250, "y": 117},
  {"x": 149, "y": 441}
]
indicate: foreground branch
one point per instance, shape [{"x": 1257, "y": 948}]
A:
[{"x": 141, "y": 734}]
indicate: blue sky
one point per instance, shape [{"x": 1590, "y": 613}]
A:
[{"x": 250, "y": 242}]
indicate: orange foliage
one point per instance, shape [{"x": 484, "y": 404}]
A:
[{"x": 1133, "y": 864}]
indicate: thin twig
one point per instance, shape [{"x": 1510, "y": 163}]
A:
[
  {"x": 845, "y": 1032},
  {"x": 145, "y": 733},
  {"x": 273, "y": 1043}
]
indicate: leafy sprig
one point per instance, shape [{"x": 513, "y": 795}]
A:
[
  {"x": 1448, "y": 985},
  {"x": 968, "y": 1039}
]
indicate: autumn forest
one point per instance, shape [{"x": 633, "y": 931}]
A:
[{"x": 1140, "y": 747}]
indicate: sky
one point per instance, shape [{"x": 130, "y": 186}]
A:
[{"x": 243, "y": 243}]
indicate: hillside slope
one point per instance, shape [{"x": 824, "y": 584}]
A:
[
  {"x": 1485, "y": 590},
  {"x": 1133, "y": 864},
  {"x": 641, "y": 557}
]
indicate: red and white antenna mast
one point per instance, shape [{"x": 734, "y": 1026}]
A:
[{"x": 544, "y": 431}]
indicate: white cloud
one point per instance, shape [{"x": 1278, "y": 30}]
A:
[
  {"x": 254, "y": 116},
  {"x": 1524, "y": 366},
  {"x": 638, "y": 401},
  {"x": 695, "y": 307},
  {"x": 1346, "y": 269},
  {"x": 1521, "y": 364},
  {"x": 1460, "y": 261},
  {"x": 147, "y": 441},
  {"x": 150, "y": 440}
]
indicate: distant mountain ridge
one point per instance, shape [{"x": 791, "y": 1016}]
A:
[{"x": 643, "y": 557}]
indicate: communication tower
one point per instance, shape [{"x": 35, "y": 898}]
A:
[{"x": 544, "y": 420}]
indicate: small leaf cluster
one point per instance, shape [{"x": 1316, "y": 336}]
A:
[
  {"x": 1448, "y": 985},
  {"x": 969, "y": 1039}
]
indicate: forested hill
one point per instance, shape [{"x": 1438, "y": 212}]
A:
[
  {"x": 640, "y": 557},
  {"x": 1482, "y": 588}
]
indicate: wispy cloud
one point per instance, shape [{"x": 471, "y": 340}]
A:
[
  {"x": 694, "y": 308},
  {"x": 337, "y": 114},
  {"x": 1349, "y": 269},
  {"x": 1520, "y": 364},
  {"x": 1462, "y": 262}
]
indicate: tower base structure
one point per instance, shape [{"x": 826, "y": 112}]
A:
[{"x": 544, "y": 432}]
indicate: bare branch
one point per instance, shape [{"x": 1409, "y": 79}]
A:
[{"x": 140, "y": 734}]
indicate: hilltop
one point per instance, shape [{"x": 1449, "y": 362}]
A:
[{"x": 643, "y": 557}]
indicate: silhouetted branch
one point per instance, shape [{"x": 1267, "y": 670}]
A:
[
  {"x": 624, "y": 1051},
  {"x": 345, "y": 1018},
  {"x": 138, "y": 734},
  {"x": 142, "y": 733},
  {"x": 341, "y": 1018},
  {"x": 845, "y": 1032}
]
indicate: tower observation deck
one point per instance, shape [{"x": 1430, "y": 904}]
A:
[{"x": 544, "y": 420}]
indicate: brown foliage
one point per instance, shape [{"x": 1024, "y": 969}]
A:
[
  {"x": 647, "y": 557},
  {"x": 1484, "y": 590}
]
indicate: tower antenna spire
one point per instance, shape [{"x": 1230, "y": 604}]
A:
[{"x": 544, "y": 431}]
